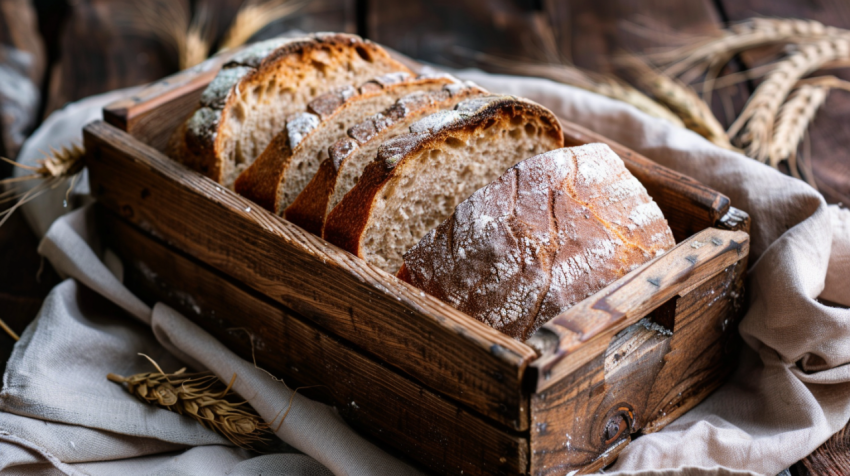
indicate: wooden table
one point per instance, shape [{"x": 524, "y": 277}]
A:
[{"x": 87, "y": 56}]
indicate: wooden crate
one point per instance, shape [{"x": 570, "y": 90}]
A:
[{"x": 411, "y": 373}]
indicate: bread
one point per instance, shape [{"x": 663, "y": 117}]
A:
[
  {"x": 418, "y": 178},
  {"x": 350, "y": 155},
  {"x": 247, "y": 102},
  {"x": 288, "y": 163},
  {"x": 551, "y": 231}
]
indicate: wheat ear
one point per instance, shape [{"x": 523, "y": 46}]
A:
[
  {"x": 53, "y": 170},
  {"x": 795, "y": 116},
  {"x": 753, "y": 33},
  {"x": 754, "y": 126},
  {"x": 570, "y": 75},
  {"x": 679, "y": 98},
  {"x": 203, "y": 398},
  {"x": 253, "y": 16}
]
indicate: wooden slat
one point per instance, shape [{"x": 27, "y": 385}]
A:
[
  {"x": 443, "y": 348},
  {"x": 643, "y": 380},
  {"x": 575, "y": 337},
  {"x": 394, "y": 410},
  {"x": 688, "y": 205},
  {"x": 154, "y": 112}
]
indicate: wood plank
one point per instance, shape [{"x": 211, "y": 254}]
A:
[
  {"x": 578, "y": 335},
  {"x": 444, "y": 349},
  {"x": 152, "y": 114},
  {"x": 829, "y": 140},
  {"x": 379, "y": 402},
  {"x": 688, "y": 205},
  {"x": 649, "y": 374}
]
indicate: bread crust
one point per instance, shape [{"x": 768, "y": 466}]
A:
[
  {"x": 200, "y": 142},
  {"x": 551, "y": 231},
  {"x": 311, "y": 207},
  {"x": 262, "y": 181},
  {"x": 347, "y": 222}
]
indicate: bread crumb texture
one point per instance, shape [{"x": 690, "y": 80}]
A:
[{"x": 550, "y": 232}]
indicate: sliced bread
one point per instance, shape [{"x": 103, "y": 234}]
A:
[
  {"x": 418, "y": 178},
  {"x": 551, "y": 231},
  {"x": 288, "y": 163},
  {"x": 247, "y": 102},
  {"x": 350, "y": 155}
]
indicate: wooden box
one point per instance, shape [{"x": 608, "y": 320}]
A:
[{"x": 411, "y": 373}]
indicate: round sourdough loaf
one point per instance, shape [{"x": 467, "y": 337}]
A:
[
  {"x": 418, "y": 178},
  {"x": 250, "y": 98},
  {"x": 551, "y": 231}
]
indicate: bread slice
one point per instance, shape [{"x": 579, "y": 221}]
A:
[
  {"x": 282, "y": 171},
  {"x": 247, "y": 102},
  {"x": 350, "y": 155},
  {"x": 551, "y": 231},
  {"x": 418, "y": 178}
]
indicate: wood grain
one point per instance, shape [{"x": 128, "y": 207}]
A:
[
  {"x": 375, "y": 399},
  {"x": 575, "y": 337},
  {"x": 688, "y": 205},
  {"x": 649, "y": 374},
  {"x": 444, "y": 349}
]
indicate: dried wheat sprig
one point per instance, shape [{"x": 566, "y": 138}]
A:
[
  {"x": 754, "y": 127},
  {"x": 253, "y": 16},
  {"x": 795, "y": 116},
  {"x": 204, "y": 398},
  {"x": 567, "y": 74},
  {"x": 753, "y": 33},
  {"x": 172, "y": 24},
  {"x": 9, "y": 331},
  {"x": 53, "y": 170},
  {"x": 679, "y": 98}
]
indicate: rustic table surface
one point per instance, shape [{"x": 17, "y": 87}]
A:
[{"x": 77, "y": 50}]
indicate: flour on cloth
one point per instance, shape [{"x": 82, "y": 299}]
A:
[{"x": 790, "y": 393}]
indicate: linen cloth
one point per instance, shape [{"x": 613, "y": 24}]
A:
[{"x": 789, "y": 394}]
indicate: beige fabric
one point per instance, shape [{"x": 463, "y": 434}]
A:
[{"x": 789, "y": 395}]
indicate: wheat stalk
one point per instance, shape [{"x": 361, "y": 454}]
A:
[
  {"x": 753, "y": 33},
  {"x": 53, "y": 170},
  {"x": 253, "y": 16},
  {"x": 795, "y": 116},
  {"x": 754, "y": 127},
  {"x": 679, "y": 98},
  {"x": 204, "y": 398},
  {"x": 567, "y": 74}
]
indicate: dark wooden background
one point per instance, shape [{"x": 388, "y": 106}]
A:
[{"x": 73, "y": 49}]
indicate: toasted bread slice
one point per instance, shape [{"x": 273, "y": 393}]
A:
[
  {"x": 551, "y": 231},
  {"x": 250, "y": 98},
  {"x": 350, "y": 155},
  {"x": 282, "y": 171},
  {"x": 418, "y": 178}
]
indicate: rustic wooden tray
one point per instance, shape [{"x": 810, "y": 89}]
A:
[{"x": 413, "y": 374}]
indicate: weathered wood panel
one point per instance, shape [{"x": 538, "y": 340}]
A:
[
  {"x": 649, "y": 375},
  {"x": 443, "y": 348},
  {"x": 575, "y": 337},
  {"x": 379, "y": 402}
]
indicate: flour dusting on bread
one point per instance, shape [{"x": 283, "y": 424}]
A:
[{"x": 539, "y": 239}]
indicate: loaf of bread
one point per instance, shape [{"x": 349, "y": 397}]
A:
[
  {"x": 350, "y": 155},
  {"x": 418, "y": 178},
  {"x": 250, "y": 98},
  {"x": 551, "y": 231},
  {"x": 288, "y": 163}
]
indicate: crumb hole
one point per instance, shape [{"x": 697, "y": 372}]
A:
[
  {"x": 364, "y": 53},
  {"x": 530, "y": 129},
  {"x": 454, "y": 142}
]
